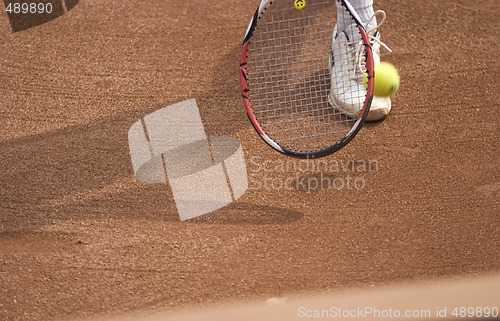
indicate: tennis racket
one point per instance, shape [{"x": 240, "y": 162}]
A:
[{"x": 288, "y": 66}]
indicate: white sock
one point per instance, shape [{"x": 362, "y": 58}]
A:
[{"x": 364, "y": 9}]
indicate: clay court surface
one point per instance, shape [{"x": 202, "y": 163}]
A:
[{"x": 80, "y": 237}]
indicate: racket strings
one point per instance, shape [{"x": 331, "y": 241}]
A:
[{"x": 289, "y": 76}]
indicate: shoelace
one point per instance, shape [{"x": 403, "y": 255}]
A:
[{"x": 359, "y": 59}]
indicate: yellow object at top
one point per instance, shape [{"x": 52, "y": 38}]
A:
[{"x": 299, "y": 4}]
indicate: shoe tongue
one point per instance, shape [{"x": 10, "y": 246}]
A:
[{"x": 352, "y": 33}]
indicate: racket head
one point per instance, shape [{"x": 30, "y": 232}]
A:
[{"x": 285, "y": 77}]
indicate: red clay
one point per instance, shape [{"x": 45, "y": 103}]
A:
[{"x": 79, "y": 236}]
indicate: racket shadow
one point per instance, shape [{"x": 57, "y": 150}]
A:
[{"x": 240, "y": 213}]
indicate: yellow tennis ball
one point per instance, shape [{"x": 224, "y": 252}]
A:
[{"x": 386, "y": 80}]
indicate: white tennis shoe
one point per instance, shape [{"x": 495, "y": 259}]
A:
[{"x": 347, "y": 70}]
